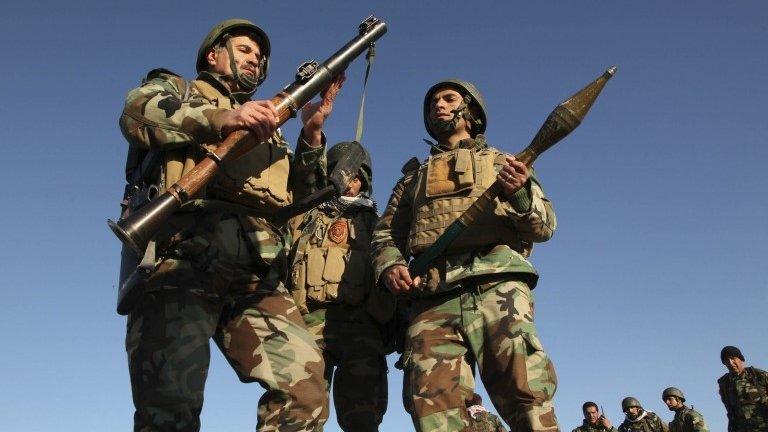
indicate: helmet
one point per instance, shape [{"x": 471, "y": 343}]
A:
[
  {"x": 471, "y": 97},
  {"x": 335, "y": 153},
  {"x": 629, "y": 402},
  {"x": 223, "y": 29},
  {"x": 673, "y": 391}
]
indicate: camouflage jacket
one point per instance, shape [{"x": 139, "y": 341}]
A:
[
  {"x": 587, "y": 427},
  {"x": 649, "y": 422},
  {"x": 485, "y": 422},
  {"x": 687, "y": 420},
  {"x": 167, "y": 113},
  {"x": 529, "y": 213},
  {"x": 745, "y": 398}
]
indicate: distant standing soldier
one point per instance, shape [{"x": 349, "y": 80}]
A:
[
  {"x": 332, "y": 283},
  {"x": 475, "y": 300},
  {"x": 639, "y": 420},
  {"x": 744, "y": 391},
  {"x": 686, "y": 419},
  {"x": 594, "y": 420},
  {"x": 221, "y": 258},
  {"x": 480, "y": 420}
]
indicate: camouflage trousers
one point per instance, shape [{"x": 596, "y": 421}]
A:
[
  {"x": 490, "y": 323},
  {"x": 217, "y": 294},
  {"x": 353, "y": 349}
]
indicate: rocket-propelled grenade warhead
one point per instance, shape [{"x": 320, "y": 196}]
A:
[{"x": 565, "y": 118}]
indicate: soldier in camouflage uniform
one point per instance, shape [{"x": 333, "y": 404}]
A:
[
  {"x": 594, "y": 420},
  {"x": 686, "y": 419},
  {"x": 639, "y": 420},
  {"x": 332, "y": 283},
  {"x": 475, "y": 302},
  {"x": 480, "y": 420},
  {"x": 744, "y": 392},
  {"x": 220, "y": 259}
]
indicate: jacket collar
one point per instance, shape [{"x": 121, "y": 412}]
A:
[
  {"x": 216, "y": 81},
  {"x": 476, "y": 143}
]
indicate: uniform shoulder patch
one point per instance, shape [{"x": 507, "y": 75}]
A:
[{"x": 412, "y": 165}]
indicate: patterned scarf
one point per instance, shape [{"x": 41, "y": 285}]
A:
[
  {"x": 474, "y": 410},
  {"x": 343, "y": 204}
]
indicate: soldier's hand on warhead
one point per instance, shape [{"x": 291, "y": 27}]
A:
[
  {"x": 258, "y": 116},
  {"x": 513, "y": 175},
  {"x": 398, "y": 279}
]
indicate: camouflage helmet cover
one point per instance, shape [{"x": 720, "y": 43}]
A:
[
  {"x": 464, "y": 88},
  {"x": 629, "y": 402},
  {"x": 228, "y": 26},
  {"x": 673, "y": 391},
  {"x": 337, "y": 150}
]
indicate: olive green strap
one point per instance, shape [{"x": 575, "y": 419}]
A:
[{"x": 369, "y": 59}]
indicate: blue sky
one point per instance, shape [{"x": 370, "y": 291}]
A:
[{"x": 659, "y": 258}]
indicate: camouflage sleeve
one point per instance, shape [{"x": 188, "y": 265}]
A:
[
  {"x": 531, "y": 212},
  {"x": 696, "y": 422},
  {"x": 165, "y": 113},
  {"x": 721, "y": 383},
  {"x": 662, "y": 426},
  {"x": 391, "y": 232},
  {"x": 308, "y": 168},
  {"x": 498, "y": 426},
  {"x": 763, "y": 382}
]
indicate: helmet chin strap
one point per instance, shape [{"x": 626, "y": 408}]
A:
[
  {"x": 246, "y": 84},
  {"x": 462, "y": 111}
]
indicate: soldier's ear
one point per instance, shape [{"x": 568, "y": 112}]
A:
[{"x": 210, "y": 56}]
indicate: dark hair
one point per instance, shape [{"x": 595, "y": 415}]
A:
[
  {"x": 476, "y": 399},
  {"x": 587, "y": 405}
]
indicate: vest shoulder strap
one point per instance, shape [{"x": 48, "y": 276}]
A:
[{"x": 213, "y": 95}]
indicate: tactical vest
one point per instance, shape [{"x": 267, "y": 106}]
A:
[
  {"x": 332, "y": 262},
  {"x": 257, "y": 179},
  {"x": 446, "y": 185}
]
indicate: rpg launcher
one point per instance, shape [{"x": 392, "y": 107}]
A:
[{"x": 136, "y": 230}]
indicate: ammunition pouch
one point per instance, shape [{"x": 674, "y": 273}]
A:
[
  {"x": 450, "y": 173},
  {"x": 448, "y": 183},
  {"x": 331, "y": 264},
  {"x": 331, "y": 275}
]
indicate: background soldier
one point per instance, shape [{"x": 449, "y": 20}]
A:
[
  {"x": 594, "y": 420},
  {"x": 332, "y": 283},
  {"x": 220, "y": 259},
  {"x": 744, "y": 391},
  {"x": 475, "y": 301},
  {"x": 639, "y": 420},
  {"x": 686, "y": 419},
  {"x": 480, "y": 420}
]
